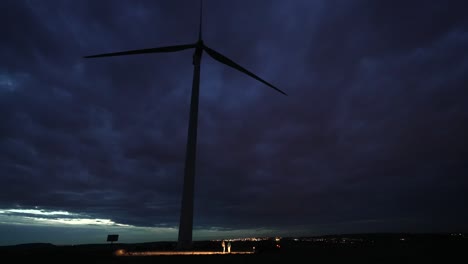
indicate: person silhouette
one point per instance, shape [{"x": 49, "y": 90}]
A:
[
  {"x": 229, "y": 247},
  {"x": 224, "y": 246}
]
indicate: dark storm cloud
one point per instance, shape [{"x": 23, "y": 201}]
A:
[{"x": 371, "y": 136}]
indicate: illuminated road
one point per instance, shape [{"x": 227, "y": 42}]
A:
[{"x": 160, "y": 253}]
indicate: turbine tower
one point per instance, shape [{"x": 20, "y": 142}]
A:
[{"x": 186, "y": 214}]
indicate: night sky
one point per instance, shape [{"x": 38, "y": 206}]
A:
[{"x": 372, "y": 136}]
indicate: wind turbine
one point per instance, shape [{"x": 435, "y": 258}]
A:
[{"x": 186, "y": 213}]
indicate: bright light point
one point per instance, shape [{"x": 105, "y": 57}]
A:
[{"x": 120, "y": 252}]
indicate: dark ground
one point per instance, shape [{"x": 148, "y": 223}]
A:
[{"x": 376, "y": 248}]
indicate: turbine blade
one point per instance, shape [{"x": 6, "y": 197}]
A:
[
  {"x": 200, "y": 25},
  {"x": 225, "y": 60},
  {"x": 142, "y": 51}
]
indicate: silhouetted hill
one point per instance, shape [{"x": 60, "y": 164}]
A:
[
  {"x": 31, "y": 246},
  {"x": 351, "y": 248}
]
